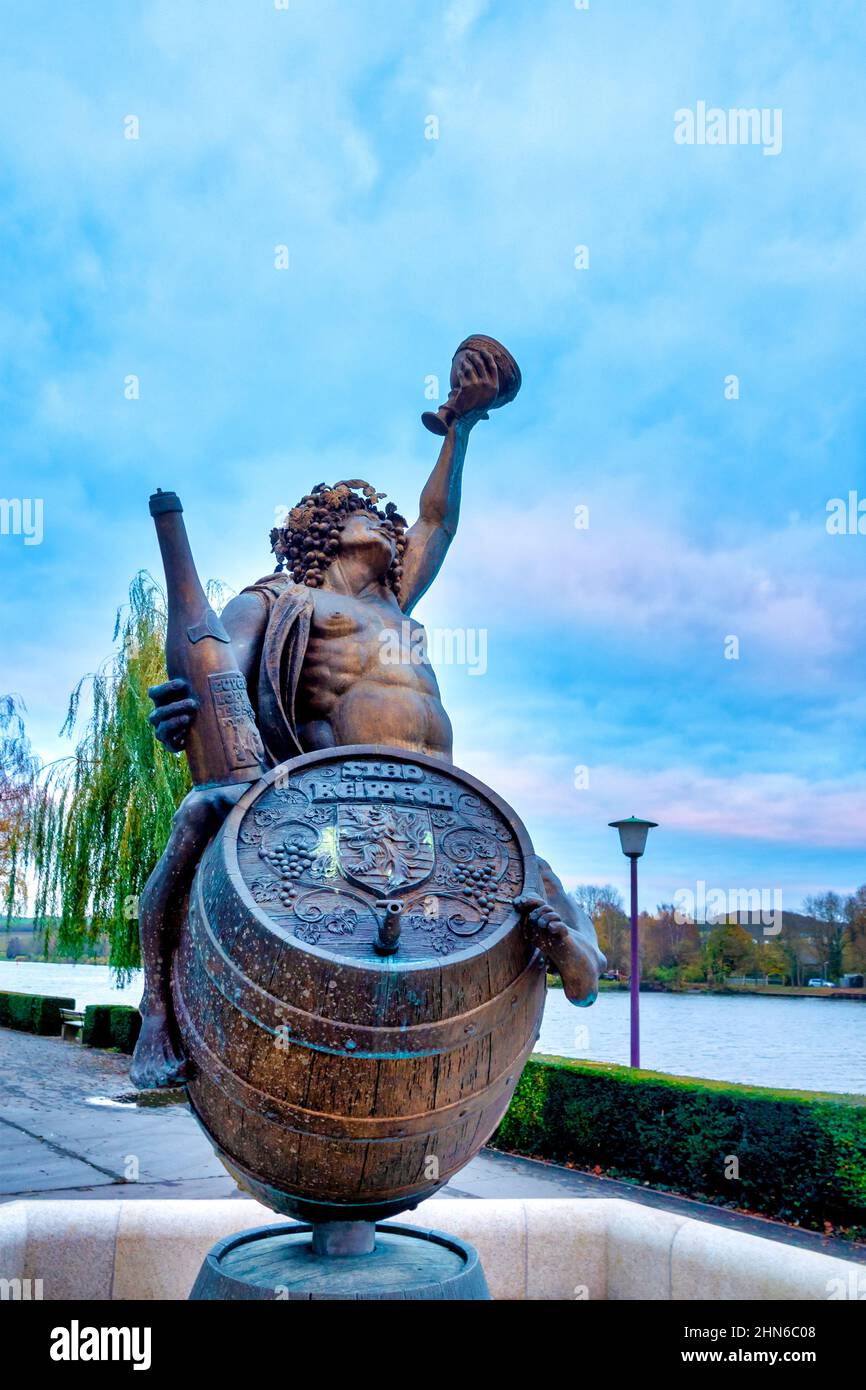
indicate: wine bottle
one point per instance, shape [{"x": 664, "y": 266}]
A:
[{"x": 223, "y": 744}]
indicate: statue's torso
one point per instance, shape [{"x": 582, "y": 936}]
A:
[{"x": 366, "y": 679}]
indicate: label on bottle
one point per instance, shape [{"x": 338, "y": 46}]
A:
[{"x": 242, "y": 743}]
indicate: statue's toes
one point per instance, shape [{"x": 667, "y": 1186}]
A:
[
  {"x": 156, "y": 1064},
  {"x": 175, "y": 1071}
]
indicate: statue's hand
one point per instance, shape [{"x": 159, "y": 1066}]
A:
[
  {"x": 573, "y": 961},
  {"x": 477, "y": 385},
  {"x": 175, "y": 710}
]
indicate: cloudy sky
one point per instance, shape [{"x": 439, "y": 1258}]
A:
[{"x": 306, "y": 127}]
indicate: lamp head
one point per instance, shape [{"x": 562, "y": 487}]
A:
[{"x": 632, "y": 834}]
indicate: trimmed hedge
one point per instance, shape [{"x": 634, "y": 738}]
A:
[
  {"x": 111, "y": 1025},
  {"x": 33, "y": 1013},
  {"x": 105, "y": 1025},
  {"x": 96, "y": 1031},
  {"x": 801, "y": 1156},
  {"x": 125, "y": 1026}
]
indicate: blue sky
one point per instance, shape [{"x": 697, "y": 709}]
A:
[{"x": 306, "y": 127}]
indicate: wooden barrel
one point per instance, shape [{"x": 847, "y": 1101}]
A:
[
  {"x": 278, "y": 1262},
  {"x": 335, "y": 1080}
]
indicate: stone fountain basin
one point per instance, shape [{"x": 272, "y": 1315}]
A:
[{"x": 581, "y": 1248}]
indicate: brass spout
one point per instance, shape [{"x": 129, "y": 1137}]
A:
[{"x": 388, "y": 939}]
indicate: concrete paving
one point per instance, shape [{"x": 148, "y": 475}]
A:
[{"x": 63, "y": 1134}]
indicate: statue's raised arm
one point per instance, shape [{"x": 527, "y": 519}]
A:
[{"x": 484, "y": 376}]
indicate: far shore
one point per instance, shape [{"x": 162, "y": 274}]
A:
[{"x": 766, "y": 991}]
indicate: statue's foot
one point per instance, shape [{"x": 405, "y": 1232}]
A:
[{"x": 156, "y": 1061}]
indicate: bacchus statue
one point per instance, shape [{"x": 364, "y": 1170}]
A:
[{"x": 308, "y": 639}]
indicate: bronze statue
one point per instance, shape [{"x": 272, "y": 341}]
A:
[
  {"x": 346, "y": 940},
  {"x": 307, "y": 640}
]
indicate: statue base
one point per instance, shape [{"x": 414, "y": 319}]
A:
[{"x": 341, "y": 1260}]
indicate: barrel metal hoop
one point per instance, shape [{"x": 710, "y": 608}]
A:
[
  {"x": 382, "y": 1129},
  {"x": 248, "y": 1182}
]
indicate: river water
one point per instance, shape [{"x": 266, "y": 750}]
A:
[
  {"x": 86, "y": 984},
  {"x": 799, "y": 1044}
]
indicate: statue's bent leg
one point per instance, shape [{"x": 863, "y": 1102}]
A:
[
  {"x": 583, "y": 960},
  {"x": 158, "y": 1058}
]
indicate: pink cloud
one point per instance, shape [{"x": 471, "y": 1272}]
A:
[
  {"x": 641, "y": 577},
  {"x": 777, "y": 808}
]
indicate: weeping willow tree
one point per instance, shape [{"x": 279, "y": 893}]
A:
[
  {"x": 104, "y": 816},
  {"x": 19, "y": 789}
]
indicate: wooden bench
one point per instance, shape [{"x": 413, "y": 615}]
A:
[{"x": 71, "y": 1024}]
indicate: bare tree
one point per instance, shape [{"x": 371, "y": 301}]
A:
[
  {"x": 855, "y": 920},
  {"x": 828, "y": 910},
  {"x": 594, "y": 899},
  {"x": 604, "y": 905}
]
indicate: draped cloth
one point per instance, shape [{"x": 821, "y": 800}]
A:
[{"x": 290, "y": 610}]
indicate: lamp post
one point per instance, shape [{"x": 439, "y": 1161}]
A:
[{"x": 632, "y": 838}]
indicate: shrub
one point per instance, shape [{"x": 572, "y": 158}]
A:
[
  {"x": 33, "y": 1013},
  {"x": 97, "y": 1026},
  {"x": 111, "y": 1025},
  {"x": 801, "y": 1156},
  {"x": 125, "y": 1026}
]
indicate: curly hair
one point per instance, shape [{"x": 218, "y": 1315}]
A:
[{"x": 309, "y": 540}]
